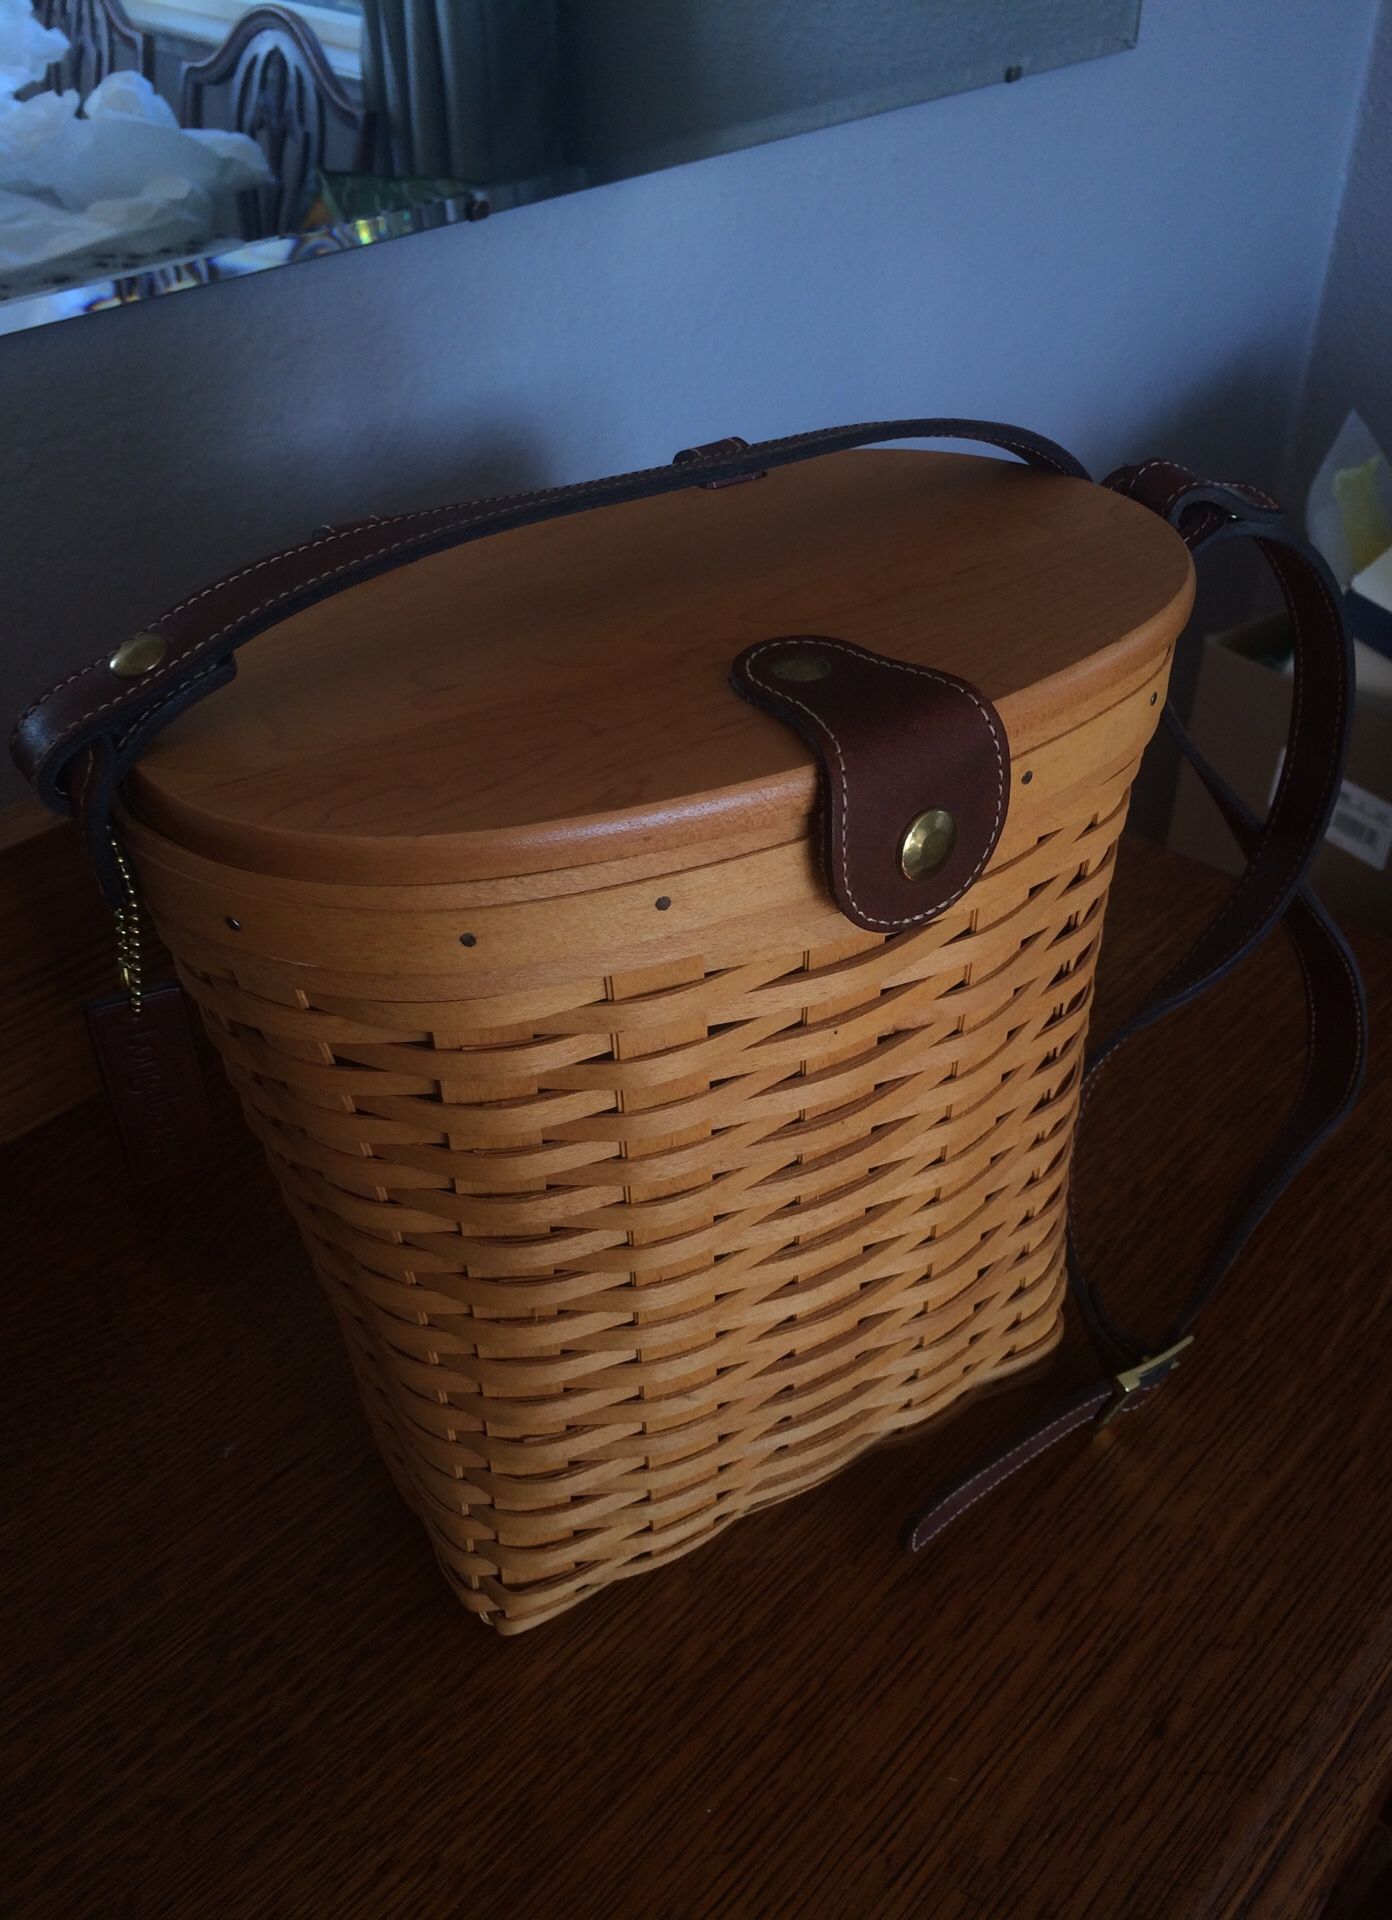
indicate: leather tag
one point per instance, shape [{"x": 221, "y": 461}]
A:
[{"x": 154, "y": 1082}]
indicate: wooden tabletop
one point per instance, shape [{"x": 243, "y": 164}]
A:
[{"x": 1152, "y": 1678}]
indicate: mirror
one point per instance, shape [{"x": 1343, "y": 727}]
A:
[{"x": 149, "y": 146}]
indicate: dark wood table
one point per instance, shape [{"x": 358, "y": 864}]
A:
[{"x": 1152, "y": 1678}]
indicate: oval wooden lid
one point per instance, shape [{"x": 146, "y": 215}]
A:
[{"x": 558, "y": 695}]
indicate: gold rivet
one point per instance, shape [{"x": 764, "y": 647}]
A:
[
  {"x": 800, "y": 666},
  {"x": 139, "y": 654},
  {"x": 927, "y": 841}
]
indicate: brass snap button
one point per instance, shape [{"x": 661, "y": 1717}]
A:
[
  {"x": 800, "y": 666},
  {"x": 927, "y": 841},
  {"x": 140, "y": 654}
]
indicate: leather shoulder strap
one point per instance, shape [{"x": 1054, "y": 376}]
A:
[
  {"x": 1271, "y": 891},
  {"x": 80, "y": 738}
]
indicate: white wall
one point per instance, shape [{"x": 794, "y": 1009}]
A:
[{"x": 1127, "y": 255}]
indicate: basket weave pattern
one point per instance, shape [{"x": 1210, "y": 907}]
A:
[{"x": 624, "y": 1266}]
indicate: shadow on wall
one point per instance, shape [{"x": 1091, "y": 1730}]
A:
[{"x": 213, "y": 482}]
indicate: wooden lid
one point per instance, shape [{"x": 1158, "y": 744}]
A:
[{"x": 558, "y": 695}]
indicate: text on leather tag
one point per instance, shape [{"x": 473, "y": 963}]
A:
[{"x": 153, "y": 1081}]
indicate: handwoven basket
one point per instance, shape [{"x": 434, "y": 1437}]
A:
[{"x": 647, "y": 1188}]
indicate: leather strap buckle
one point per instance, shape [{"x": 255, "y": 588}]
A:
[{"x": 1142, "y": 1379}]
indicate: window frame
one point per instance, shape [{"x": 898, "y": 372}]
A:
[{"x": 209, "y": 20}]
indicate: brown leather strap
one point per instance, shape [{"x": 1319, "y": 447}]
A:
[
  {"x": 915, "y": 771},
  {"x": 1270, "y": 892},
  {"x": 953, "y": 1500},
  {"x": 95, "y": 714}
]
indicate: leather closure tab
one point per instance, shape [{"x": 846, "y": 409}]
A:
[{"x": 915, "y": 771}]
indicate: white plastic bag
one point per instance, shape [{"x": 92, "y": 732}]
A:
[
  {"x": 27, "y": 50},
  {"x": 124, "y": 178}
]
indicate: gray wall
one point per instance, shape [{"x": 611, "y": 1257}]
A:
[
  {"x": 1127, "y": 255},
  {"x": 1351, "y": 361}
]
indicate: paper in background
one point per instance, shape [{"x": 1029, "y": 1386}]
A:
[{"x": 1348, "y": 519}]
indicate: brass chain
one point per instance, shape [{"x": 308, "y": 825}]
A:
[{"x": 128, "y": 930}]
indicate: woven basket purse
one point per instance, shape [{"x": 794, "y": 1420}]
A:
[{"x": 654, "y": 945}]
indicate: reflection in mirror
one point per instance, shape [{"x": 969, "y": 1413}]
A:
[{"x": 152, "y": 145}]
